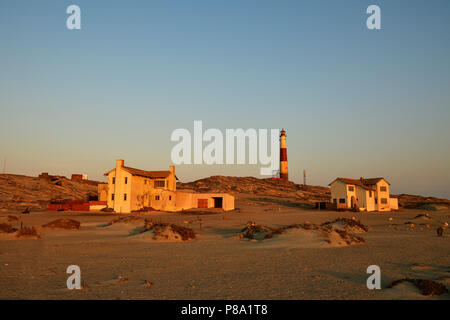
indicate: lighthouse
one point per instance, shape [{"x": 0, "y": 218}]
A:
[{"x": 283, "y": 156}]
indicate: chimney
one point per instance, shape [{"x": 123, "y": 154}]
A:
[
  {"x": 120, "y": 163},
  {"x": 172, "y": 169},
  {"x": 283, "y": 156}
]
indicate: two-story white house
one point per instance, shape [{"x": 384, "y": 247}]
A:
[
  {"x": 362, "y": 194},
  {"x": 130, "y": 189}
]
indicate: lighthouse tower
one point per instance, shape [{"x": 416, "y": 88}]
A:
[{"x": 283, "y": 156}]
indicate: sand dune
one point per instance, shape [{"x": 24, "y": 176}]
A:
[{"x": 305, "y": 234}]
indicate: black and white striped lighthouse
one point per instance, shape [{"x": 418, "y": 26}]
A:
[{"x": 283, "y": 156}]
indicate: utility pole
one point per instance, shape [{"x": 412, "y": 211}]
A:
[
  {"x": 304, "y": 177},
  {"x": 4, "y": 166}
]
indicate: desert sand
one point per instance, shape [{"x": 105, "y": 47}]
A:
[{"x": 121, "y": 261}]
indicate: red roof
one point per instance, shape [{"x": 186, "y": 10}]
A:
[
  {"x": 363, "y": 183},
  {"x": 373, "y": 181},
  {"x": 148, "y": 174},
  {"x": 143, "y": 173}
]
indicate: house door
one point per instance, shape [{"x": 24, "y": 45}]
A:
[
  {"x": 202, "y": 203},
  {"x": 218, "y": 202},
  {"x": 354, "y": 203}
]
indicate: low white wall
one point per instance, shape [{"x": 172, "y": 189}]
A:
[
  {"x": 96, "y": 207},
  {"x": 187, "y": 200},
  {"x": 393, "y": 203}
]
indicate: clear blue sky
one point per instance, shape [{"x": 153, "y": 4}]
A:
[{"x": 354, "y": 102}]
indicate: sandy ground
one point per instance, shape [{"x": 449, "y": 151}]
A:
[{"x": 116, "y": 264}]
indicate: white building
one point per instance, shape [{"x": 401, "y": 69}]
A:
[
  {"x": 129, "y": 189},
  {"x": 363, "y": 194}
]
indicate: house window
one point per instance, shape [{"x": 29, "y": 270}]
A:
[
  {"x": 160, "y": 183},
  {"x": 112, "y": 196},
  {"x": 342, "y": 200},
  {"x": 370, "y": 194},
  {"x": 126, "y": 180},
  {"x": 125, "y": 197},
  {"x": 334, "y": 200},
  {"x": 156, "y": 197},
  {"x": 376, "y": 201},
  {"x": 384, "y": 200},
  {"x": 383, "y": 189},
  {"x": 114, "y": 180},
  {"x": 351, "y": 188},
  {"x": 170, "y": 197}
]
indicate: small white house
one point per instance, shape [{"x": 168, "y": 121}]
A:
[{"x": 363, "y": 194}]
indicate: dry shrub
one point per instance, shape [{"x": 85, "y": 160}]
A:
[
  {"x": 185, "y": 233},
  {"x": 159, "y": 229},
  {"x": 68, "y": 224},
  {"x": 127, "y": 219},
  {"x": 6, "y": 228},
  {"x": 277, "y": 231},
  {"x": 274, "y": 232},
  {"x": 309, "y": 226},
  {"x": 423, "y": 215},
  {"x": 326, "y": 228},
  {"x": 427, "y": 287},
  {"x": 351, "y": 223},
  {"x": 349, "y": 238},
  {"x": 27, "y": 232},
  {"x": 259, "y": 232}
]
